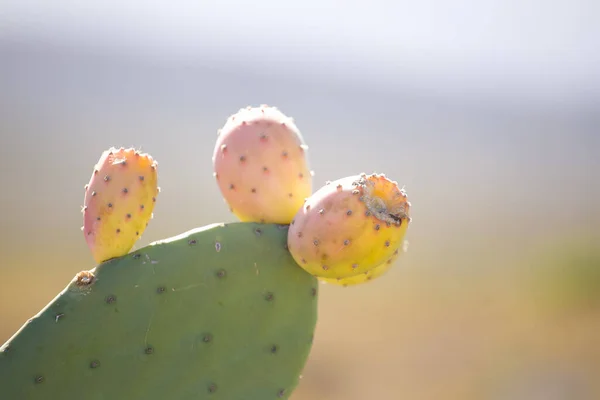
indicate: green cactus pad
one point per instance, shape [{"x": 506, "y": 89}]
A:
[{"x": 219, "y": 312}]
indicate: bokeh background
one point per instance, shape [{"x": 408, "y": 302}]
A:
[{"x": 487, "y": 111}]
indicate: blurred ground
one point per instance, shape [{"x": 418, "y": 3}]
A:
[{"x": 498, "y": 296}]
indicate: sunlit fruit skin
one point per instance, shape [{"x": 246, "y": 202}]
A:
[
  {"x": 261, "y": 165},
  {"x": 370, "y": 275},
  {"x": 119, "y": 201},
  {"x": 349, "y": 226}
]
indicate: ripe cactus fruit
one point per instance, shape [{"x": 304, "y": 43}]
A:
[
  {"x": 368, "y": 276},
  {"x": 219, "y": 312},
  {"x": 349, "y": 226},
  {"x": 261, "y": 165},
  {"x": 119, "y": 200}
]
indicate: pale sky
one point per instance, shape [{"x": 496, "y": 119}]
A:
[{"x": 541, "y": 44}]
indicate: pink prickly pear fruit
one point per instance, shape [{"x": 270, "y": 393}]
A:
[
  {"x": 261, "y": 165},
  {"x": 350, "y": 226},
  {"x": 370, "y": 275},
  {"x": 119, "y": 200}
]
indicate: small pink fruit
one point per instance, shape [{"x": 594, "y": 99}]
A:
[{"x": 261, "y": 166}]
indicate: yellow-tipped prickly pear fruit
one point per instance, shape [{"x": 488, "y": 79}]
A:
[
  {"x": 350, "y": 226},
  {"x": 119, "y": 200}
]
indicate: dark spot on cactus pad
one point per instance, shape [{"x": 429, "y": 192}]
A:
[
  {"x": 161, "y": 289},
  {"x": 125, "y": 190},
  {"x": 387, "y": 243},
  {"x": 396, "y": 252},
  {"x": 349, "y": 212},
  {"x": 377, "y": 227},
  {"x": 221, "y": 273},
  {"x": 355, "y": 191},
  {"x": 299, "y": 234},
  {"x": 253, "y": 190},
  {"x": 212, "y": 388},
  {"x": 141, "y": 206},
  {"x": 316, "y": 242},
  {"x": 223, "y": 148},
  {"x": 325, "y": 267},
  {"x": 354, "y": 266},
  {"x": 307, "y": 207},
  {"x": 263, "y": 137},
  {"x": 231, "y": 186},
  {"x": 265, "y": 169},
  {"x": 300, "y": 175},
  {"x": 293, "y": 222},
  {"x": 128, "y": 216},
  {"x": 242, "y": 158},
  {"x": 110, "y": 299},
  {"x": 367, "y": 213},
  {"x": 192, "y": 242},
  {"x": 284, "y": 154},
  {"x": 346, "y": 242},
  {"x": 389, "y": 261},
  {"x": 93, "y": 193},
  {"x": 106, "y": 178},
  {"x": 137, "y": 234},
  {"x": 290, "y": 195},
  {"x": 217, "y": 246},
  {"x": 207, "y": 338},
  {"x": 149, "y": 350},
  {"x": 285, "y": 246},
  {"x": 262, "y": 220},
  {"x": 321, "y": 211},
  {"x": 274, "y": 349},
  {"x": 269, "y": 296},
  {"x": 38, "y": 379},
  {"x": 84, "y": 278},
  {"x": 303, "y": 261},
  {"x": 94, "y": 364},
  {"x": 118, "y": 230},
  {"x": 95, "y": 172},
  {"x": 138, "y": 255},
  {"x": 258, "y": 232},
  {"x": 141, "y": 177},
  {"x": 313, "y": 291},
  {"x": 109, "y": 205},
  {"x": 154, "y": 199},
  {"x": 281, "y": 393},
  {"x": 98, "y": 218},
  {"x": 86, "y": 187}
]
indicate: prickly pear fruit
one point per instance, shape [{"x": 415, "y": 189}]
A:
[
  {"x": 261, "y": 165},
  {"x": 368, "y": 276},
  {"x": 118, "y": 203},
  {"x": 219, "y": 312},
  {"x": 349, "y": 226}
]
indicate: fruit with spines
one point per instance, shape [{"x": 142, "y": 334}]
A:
[
  {"x": 119, "y": 201},
  {"x": 261, "y": 165},
  {"x": 371, "y": 274},
  {"x": 349, "y": 226},
  {"x": 219, "y": 312}
]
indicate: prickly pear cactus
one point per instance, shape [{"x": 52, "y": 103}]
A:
[
  {"x": 349, "y": 226},
  {"x": 119, "y": 200},
  {"x": 261, "y": 165},
  {"x": 220, "y": 312}
]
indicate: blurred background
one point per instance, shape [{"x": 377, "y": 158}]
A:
[{"x": 487, "y": 111}]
